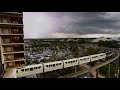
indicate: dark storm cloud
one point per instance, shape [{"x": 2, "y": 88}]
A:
[
  {"x": 46, "y": 24},
  {"x": 84, "y": 22}
]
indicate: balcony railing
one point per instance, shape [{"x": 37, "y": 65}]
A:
[
  {"x": 13, "y": 50},
  {"x": 11, "y": 22},
  {"x": 15, "y": 64},
  {"x": 9, "y": 32},
  {"x": 10, "y": 41},
  {"x": 12, "y": 12},
  {"x": 14, "y": 59}
]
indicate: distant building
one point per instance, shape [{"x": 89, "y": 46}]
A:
[{"x": 101, "y": 39}]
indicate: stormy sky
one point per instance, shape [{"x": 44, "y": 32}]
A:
[{"x": 71, "y": 24}]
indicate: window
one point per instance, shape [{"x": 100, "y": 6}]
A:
[
  {"x": 4, "y": 20},
  {"x": 46, "y": 65},
  {"x": 22, "y": 70},
  {"x": 6, "y": 31},
  {"x": 50, "y": 65},
  {"x": 53, "y": 65},
  {"x": 17, "y": 71},
  {"x": 26, "y": 69},
  {"x": 35, "y": 67},
  {"x": 39, "y": 67},
  {"x": 66, "y": 62},
  {"x": 31, "y": 69}
]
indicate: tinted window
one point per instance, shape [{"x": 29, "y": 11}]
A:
[
  {"x": 53, "y": 65},
  {"x": 26, "y": 69},
  {"x": 39, "y": 67},
  {"x": 31, "y": 69},
  {"x": 22, "y": 70},
  {"x": 17, "y": 71},
  {"x": 35, "y": 67}
]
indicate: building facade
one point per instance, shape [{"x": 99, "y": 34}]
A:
[{"x": 12, "y": 40}]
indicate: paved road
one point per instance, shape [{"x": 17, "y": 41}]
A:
[{"x": 91, "y": 69}]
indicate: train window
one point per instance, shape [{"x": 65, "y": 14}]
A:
[
  {"x": 17, "y": 71},
  {"x": 22, "y": 70},
  {"x": 46, "y": 65},
  {"x": 66, "y": 62},
  {"x": 39, "y": 67},
  {"x": 49, "y": 65},
  {"x": 59, "y": 63},
  {"x": 76, "y": 60},
  {"x": 35, "y": 67},
  {"x": 26, "y": 69},
  {"x": 31, "y": 69},
  {"x": 53, "y": 65}
]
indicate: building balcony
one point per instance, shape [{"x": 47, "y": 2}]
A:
[
  {"x": 15, "y": 13},
  {"x": 14, "y": 48},
  {"x": 11, "y": 24},
  {"x": 7, "y": 41},
  {"x": 14, "y": 52},
  {"x": 14, "y": 59},
  {"x": 9, "y": 44},
  {"x": 16, "y": 64},
  {"x": 11, "y": 32}
]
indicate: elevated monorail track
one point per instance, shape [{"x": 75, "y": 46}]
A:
[{"x": 92, "y": 68}]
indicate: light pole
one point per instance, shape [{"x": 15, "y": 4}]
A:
[{"x": 118, "y": 74}]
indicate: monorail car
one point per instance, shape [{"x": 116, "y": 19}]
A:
[
  {"x": 45, "y": 67},
  {"x": 31, "y": 69},
  {"x": 53, "y": 66},
  {"x": 70, "y": 62},
  {"x": 83, "y": 60}
]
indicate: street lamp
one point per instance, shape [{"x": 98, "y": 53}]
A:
[{"x": 118, "y": 74}]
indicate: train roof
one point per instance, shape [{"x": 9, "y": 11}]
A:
[
  {"x": 53, "y": 62},
  {"x": 70, "y": 59},
  {"x": 29, "y": 66},
  {"x": 84, "y": 57},
  {"x": 98, "y": 54}
]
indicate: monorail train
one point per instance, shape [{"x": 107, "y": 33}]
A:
[{"x": 46, "y": 67}]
